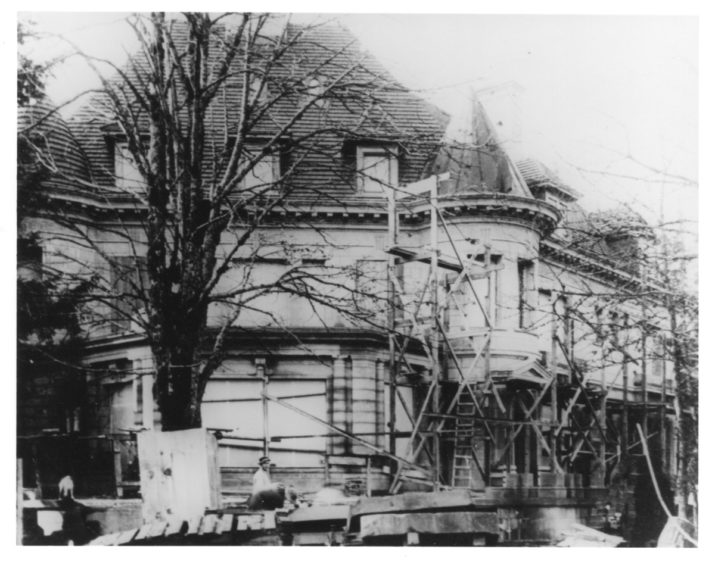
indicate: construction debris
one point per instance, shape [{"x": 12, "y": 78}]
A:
[{"x": 580, "y": 535}]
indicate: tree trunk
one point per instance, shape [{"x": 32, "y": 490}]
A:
[{"x": 178, "y": 386}]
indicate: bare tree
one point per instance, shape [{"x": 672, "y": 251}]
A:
[
  {"x": 219, "y": 125},
  {"x": 644, "y": 319}
]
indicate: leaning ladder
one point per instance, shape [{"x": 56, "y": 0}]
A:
[{"x": 464, "y": 437}]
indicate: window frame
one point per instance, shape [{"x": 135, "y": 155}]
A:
[
  {"x": 121, "y": 153},
  {"x": 278, "y": 156},
  {"x": 390, "y": 154}
]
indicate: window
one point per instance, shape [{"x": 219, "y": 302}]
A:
[
  {"x": 555, "y": 201},
  {"x": 126, "y": 172},
  {"x": 257, "y": 91},
  {"x": 236, "y": 403},
  {"x": 377, "y": 169},
  {"x": 129, "y": 279},
  {"x": 526, "y": 292},
  {"x": 264, "y": 173}
]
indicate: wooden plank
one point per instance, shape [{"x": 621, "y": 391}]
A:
[
  {"x": 318, "y": 514},
  {"x": 101, "y": 540},
  {"x": 450, "y": 522},
  {"x": 193, "y": 525},
  {"x": 250, "y": 522},
  {"x": 446, "y": 262},
  {"x": 175, "y": 526},
  {"x": 127, "y": 536},
  {"x": 312, "y": 539},
  {"x": 412, "y": 501},
  {"x": 351, "y": 460},
  {"x": 412, "y": 539},
  {"x": 179, "y": 473},
  {"x": 143, "y": 532},
  {"x": 113, "y": 539},
  {"x": 227, "y": 523},
  {"x": 208, "y": 524},
  {"x": 269, "y": 519},
  {"x": 157, "y": 529}
]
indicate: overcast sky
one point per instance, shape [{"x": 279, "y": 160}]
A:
[{"x": 595, "y": 89}]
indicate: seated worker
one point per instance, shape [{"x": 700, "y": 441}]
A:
[
  {"x": 262, "y": 476},
  {"x": 264, "y": 494}
]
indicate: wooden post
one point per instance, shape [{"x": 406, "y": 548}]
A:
[
  {"x": 568, "y": 340},
  {"x": 604, "y": 417},
  {"x": 368, "y": 484},
  {"x": 117, "y": 455},
  {"x": 527, "y": 447},
  {"x": 19, "y": 527},
  {"x": 624, "y": 420},
  {"x": 392, "y": 229},
  {"x": 663, "y": 436},
  {"x": 434, "y": 266},
  {"x": 644, "y": 381},
  {"x": 510, "y": 434},
  {"x": 261, "y": 372},
  {"x": 553, "y": 365},
  {"x": 489, "y": 321}
]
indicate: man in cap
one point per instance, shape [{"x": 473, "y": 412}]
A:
[
  {"x": 265, "y": 495},
  {"x": 262, "y": 477}
]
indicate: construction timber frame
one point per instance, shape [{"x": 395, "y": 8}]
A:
[
  {"x": 473, "y": 424},
  {"x": 481, "y": 430}
]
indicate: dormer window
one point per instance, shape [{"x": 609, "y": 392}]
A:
[
  {"x": 127, "y": 176},
  {"x": 377, "y": 169},
  {"x": 257, "y": 91},
  {"x": 264, "y": 173}
]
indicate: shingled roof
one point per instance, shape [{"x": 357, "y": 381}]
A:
[
  {"x": 40, "y": 124},
  {"x": 383, "y": 112},
  {"x": 539, "y": 178}
]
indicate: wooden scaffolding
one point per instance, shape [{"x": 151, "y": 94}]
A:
[{"x": 469, "y": 434}]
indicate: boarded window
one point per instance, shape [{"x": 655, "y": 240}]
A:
[
  {"x": 377, "y": 169},
  {"x": 296, "y": 440}
]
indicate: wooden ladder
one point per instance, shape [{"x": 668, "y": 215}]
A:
[{"x": 464, "y": 435}]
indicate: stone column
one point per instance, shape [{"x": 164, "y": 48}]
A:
[
  {"x": 380, "y": 374},
  {"x": 364, "y": 401},
  {"x": 339, "y": 407},
  {"x": 144, "y": 367}
]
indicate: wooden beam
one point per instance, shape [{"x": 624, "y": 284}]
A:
[
  {"x": 446, "y": 262},
  {"x": 344, "y": 433},
  {"x": 411, "y": 501},
  {"x": 535, "y": 426},
  {"x": 18, "y": 505},
  {"x": 451, "y": 522},
  {"x": 516, "y": 433}
]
